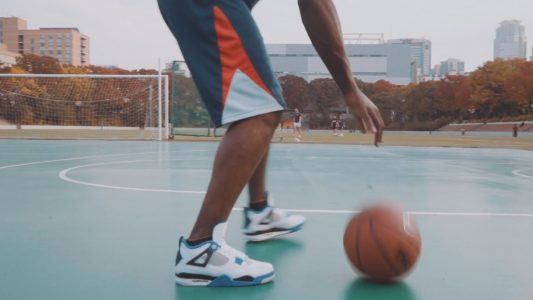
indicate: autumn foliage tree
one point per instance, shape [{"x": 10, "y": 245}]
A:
[{"x": 498, "y": 90}]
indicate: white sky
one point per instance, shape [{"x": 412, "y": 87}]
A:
[{"x": 131, "y": 33}]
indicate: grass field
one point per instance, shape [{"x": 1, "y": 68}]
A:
[
  {"x": 397, "y": 139},
  {"x": 416, "y": 139}
]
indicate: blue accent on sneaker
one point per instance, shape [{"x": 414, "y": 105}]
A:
[
  {"x": 239, "y": 260},
  {"x": 225, "y": 280},
  {"x": 199, "y": 245},
  {"x": 296, "y": 228}
]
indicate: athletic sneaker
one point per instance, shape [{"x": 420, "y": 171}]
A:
[
  {"x": 270, "y": 222},
  {"x": 214, "y": 264}
]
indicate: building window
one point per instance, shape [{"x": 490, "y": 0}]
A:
[{"x": 51, "y": 52}]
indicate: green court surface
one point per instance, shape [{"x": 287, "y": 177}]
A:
[{"x": 101, "y": 220}]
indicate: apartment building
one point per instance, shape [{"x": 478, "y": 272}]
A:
[{"x": 67, "y": 45}]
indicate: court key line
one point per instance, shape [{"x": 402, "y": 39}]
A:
[
  {"x": 519, "y": 173},
  {"x": 63, "y": 175},
  {"x": 88, "y": 157}
]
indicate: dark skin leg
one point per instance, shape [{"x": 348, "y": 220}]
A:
[
  {"x": 256, "y": 185},
  {"x": 241, "y": 156}
]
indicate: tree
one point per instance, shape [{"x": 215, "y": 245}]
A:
[
  {"x": 489, "y": 95},
  {"x": 325, "y": 96},
  {"x": 38, "y": 64},
  {"x": 519, "y": 86},
  {"x": 295, "y": 91}
]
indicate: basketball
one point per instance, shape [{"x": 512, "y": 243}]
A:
[{"x": 382, "y": 243}]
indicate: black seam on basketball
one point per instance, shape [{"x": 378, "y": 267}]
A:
[
  {"x": 407, "y": 247},
  {"x": 357, "y": 253},
  {"x": 380, "y": 247}
]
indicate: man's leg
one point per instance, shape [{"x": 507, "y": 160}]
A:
[
  {"x": 263, "y": 220},
  {"x": 242, "y": 151},
  {"x": 256, "y": 185}
]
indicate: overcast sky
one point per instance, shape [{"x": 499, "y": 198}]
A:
[{"x": 131, "y": 33}]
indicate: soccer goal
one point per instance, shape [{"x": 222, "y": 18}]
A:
[{"x": 84, "y": 106}]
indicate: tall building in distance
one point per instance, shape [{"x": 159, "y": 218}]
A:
[
  {"x": 511, "y": 41},
  {"x": 369, "y": 62},
  {"x": 67, "y": 45},
  {"x": 451, "y": 66},
  {"x": 420, "y": 54},
  {"x": 531, "y": 57}
]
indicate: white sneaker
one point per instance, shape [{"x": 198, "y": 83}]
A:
[
  {"x": 214, "y": 263},
  {"x": 269, "y": 223}
]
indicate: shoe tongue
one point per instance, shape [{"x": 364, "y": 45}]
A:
[{"x": 219, "y": 233}]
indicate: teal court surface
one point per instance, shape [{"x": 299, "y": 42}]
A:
[{"x": 101, "y": 220}]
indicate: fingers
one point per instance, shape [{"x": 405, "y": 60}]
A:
[
  {"x": 360, "y": 124},
  {"x": 368, "y": 123},
  {"x": 380, "y": 125}
]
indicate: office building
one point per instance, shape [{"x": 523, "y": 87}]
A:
[
  {"x": 67, "y": 45},
  {"x": 420, "y": 54},
  {"x": 511, "y": 41},
  {"x": 451, "y": 66},
  {"x": 369, "y": 62}
]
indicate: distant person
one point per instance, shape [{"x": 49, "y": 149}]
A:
[
  {"x": 297, "y": 119},
  {"x": 341, "y": 125},
  {"x": 463, "y": 131},
  {"x": 335, "y": 125},
  {"x": 226, "y": 54},
  {"x": 515, "y": 130}
]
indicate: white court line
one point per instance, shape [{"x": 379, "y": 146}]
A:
[
  {"x": 63, "y": 175},
  {"x": 88, "y": 157},
  {"x": 519, "y": 173},
  {"x": 422, "y": 213}
]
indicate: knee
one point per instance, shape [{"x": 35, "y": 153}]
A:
[
  {"x": 261, "y": 124},
  {"x": 272, "y": 119}
]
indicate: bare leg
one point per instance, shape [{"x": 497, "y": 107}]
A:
[
  {"x": 240, "y": 153},
  {"x": 256, "y": 185}
]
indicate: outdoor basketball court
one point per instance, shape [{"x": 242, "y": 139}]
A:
[{"x": 101, "y": 220}]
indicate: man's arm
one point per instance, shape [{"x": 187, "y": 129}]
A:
[{"x": 323, "y": 27}]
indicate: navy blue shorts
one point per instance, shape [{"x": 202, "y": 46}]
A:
[{"x": 226, "y": 55}]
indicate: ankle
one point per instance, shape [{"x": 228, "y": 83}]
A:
[
  {"x": 196, "y": 242},
  {"x": 259, "y": 205}
]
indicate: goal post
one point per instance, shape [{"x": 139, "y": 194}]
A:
[{"x": 84, "y": 106}]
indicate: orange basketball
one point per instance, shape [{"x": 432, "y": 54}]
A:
[{"x": 382, "y": 243}]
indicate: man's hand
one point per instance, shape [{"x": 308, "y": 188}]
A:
[
  {"x": 367, "y": 114},
  {"x": 323, "y": 27}
]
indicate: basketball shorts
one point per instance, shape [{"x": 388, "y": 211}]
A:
[
  {"x": 298, "y": 125},
  {"x": 226, "y": 55}
]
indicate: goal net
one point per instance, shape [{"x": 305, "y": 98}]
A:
[{"x": 84, "y": 106}]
